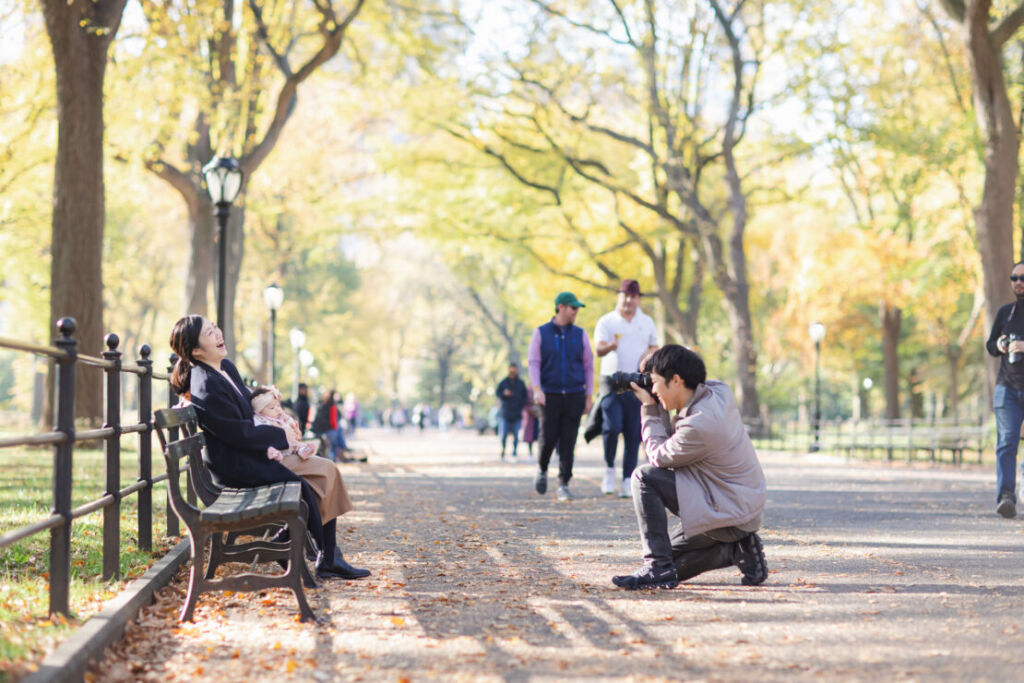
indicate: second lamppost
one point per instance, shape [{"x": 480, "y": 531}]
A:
[
  {"x": 817, "y": 332},
  {"x": 223, "y": 181},
  {"x": 273, "y": 297},
  {"x": 298, "y": 339}
]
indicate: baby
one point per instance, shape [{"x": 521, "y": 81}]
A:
[{"x": 266, "y": 404}]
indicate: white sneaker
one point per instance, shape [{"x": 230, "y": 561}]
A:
[
  {"x": 627, "y": 489},
  {"x": 608, "y": 485}
]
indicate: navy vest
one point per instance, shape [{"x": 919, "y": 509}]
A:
[{"x": 561, "y": 359}]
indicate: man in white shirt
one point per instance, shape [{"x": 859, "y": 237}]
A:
[{"x": 622, "y": 337}]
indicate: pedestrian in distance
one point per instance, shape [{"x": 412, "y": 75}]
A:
[
  {"x": 327, "y": 427},
  {"x": 511, "y": 392},
  {"x": 562, "y": 372},
  {"x": 1006, "y": 342},
  {"x": 302, "y": 407},
  {"x": 621, "y": 338},
  {"x": 703, "y": 469}
]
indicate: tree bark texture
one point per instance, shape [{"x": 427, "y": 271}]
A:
[
  {"x": 80, "y": 33},
  {"x": 892, "y": 320}
]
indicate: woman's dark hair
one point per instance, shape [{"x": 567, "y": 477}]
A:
[
  {"x": 184, "y": 342},
  {"x": 673, "y": 359}
]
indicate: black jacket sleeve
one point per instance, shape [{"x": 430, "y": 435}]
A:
[{"x": 998, "y": 325}]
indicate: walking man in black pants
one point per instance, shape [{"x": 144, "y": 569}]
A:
[{"x": 562, "y": 372}]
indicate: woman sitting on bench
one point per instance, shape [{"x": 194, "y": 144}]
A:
[{"x": 236, "y": 447}]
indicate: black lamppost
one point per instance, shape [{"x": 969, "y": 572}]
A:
[
  {"x": 273, "y": 297},
  {"x": 867, "y": 384},
  {"x": 223, "y": 181},
  {"x": 298, "y": 339},
  {"x": 817, "y": 332}
]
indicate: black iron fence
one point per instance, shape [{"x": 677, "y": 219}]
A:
[
  {"x": 63, "y": 438},
  {"x": 930, "y": 439}
]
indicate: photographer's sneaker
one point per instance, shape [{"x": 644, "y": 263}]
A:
[
  {"x": 608, "y": 485},
  {"x": 749, "y": 557},
  {"x": 563, "y": 493},
  {"x": 540, "y": 482},
  {"x": 647, "y": 577},
  {"x": 626, "y": 490}
]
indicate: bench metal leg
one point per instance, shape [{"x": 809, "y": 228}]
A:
[
  {"x": 295, "y": 575},
  {"x": 196, "y": 579}
]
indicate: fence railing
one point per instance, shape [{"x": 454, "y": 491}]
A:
[
  {"x": 63, "y": 438},
  {"x": 907, "y": 438}
]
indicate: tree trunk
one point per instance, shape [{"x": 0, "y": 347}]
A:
[
  {"x": 80, "y": 33},
  {"x": 994, "y": 216},
  {"x": 891, "y": 318},
  {"x": 953, "y": 363}
]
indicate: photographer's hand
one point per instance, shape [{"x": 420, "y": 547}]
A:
[
  {"x": 1016, "y": 346},
  {"x": 643, "y": 395}
]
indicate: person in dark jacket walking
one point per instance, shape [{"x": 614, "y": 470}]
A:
[
  {"x": 237, "y": 448},
  {"x": 512, "y": 394},
  {"x": 302, "y": 407},
  {"x": 562, "y": 374},
  {"x": 1006, "y": 342}
]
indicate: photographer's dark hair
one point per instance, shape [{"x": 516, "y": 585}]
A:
[
  {"x": 673, "y": 359},
  {"x": 184, "y": 342}
]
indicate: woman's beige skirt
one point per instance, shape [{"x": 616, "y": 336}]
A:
[{"x": 323, "y": 477}]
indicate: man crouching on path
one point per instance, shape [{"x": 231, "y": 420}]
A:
[{"x": 703, "y": 469}]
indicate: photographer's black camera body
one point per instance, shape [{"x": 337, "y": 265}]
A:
[{"x": 619, "y": 382}]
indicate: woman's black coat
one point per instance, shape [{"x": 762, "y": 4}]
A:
[{"x": 236, "y": 448}]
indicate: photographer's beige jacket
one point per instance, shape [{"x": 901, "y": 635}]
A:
[{"x": 719, "y": 480}]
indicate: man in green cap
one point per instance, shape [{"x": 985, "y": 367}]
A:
[{"x": 562, "y": 374}]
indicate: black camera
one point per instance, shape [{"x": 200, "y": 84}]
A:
[
  {"x": 1013, "y": 357},
  {"x": 619, "y": 381}
]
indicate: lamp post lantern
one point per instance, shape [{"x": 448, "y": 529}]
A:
[
  {"x": 817, "y": 332},
  {"x": 273, "y": 297},
  {"x": 223, "y": 181},
  {"x": 298, "y": 339},
  {"x": 867, "y": 384}
]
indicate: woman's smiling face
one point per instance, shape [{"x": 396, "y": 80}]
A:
[{"x": 211, "y": 349}]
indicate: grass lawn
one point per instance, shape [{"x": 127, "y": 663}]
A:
[{"x": 27, "y": 631}]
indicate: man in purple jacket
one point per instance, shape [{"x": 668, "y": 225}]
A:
[
  {"x": 562, "y": 374},
  {"x": 703, "y": 468}
]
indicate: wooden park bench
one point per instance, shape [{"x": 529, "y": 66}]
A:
[
  {"x": 229, "y": 510},
  {"x": 910, "y": 438}
]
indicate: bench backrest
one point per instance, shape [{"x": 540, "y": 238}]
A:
[{"x": 182, "y": 420}]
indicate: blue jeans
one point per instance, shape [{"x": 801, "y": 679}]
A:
[
  {"x": 336, "y": 440},
  {"x": 506, "y": 427},
  {"x": 1009, "y": 409},
  {"x": 620, "y": 414}
]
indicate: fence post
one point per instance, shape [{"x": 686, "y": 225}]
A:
[
  {"x": 173, "y": 529},
  {"x": 112, "y": 513},
  {"x": 146, "y": 449},
  {"x": 60, "y": 537}
]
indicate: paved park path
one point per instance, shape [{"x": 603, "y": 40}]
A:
[{"x": 877, "y": 572}]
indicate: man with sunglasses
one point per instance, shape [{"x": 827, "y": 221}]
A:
[
  {"x": 562, "y": 374},
  {"x": 1006, "y": 342}
]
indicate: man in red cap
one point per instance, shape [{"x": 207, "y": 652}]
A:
[{"x": 622, "y": 337}]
